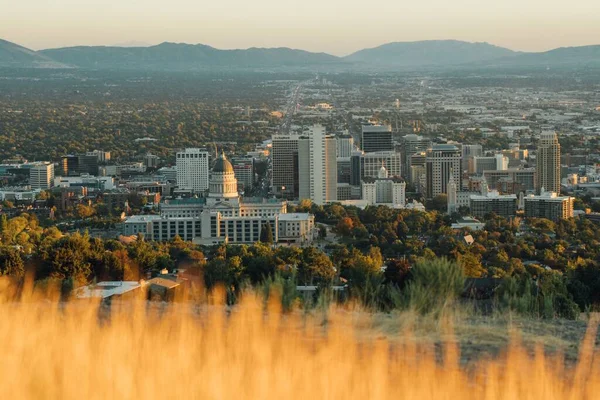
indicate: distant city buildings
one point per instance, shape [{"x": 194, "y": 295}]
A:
[{"x": 222, "y": 216}]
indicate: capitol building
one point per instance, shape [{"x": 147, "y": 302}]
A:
[{"x": 223, "y": 216}]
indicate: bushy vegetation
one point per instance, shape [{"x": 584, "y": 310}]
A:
[{"x": 423, "y": 268}]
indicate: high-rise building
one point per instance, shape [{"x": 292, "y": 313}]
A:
[
  {"x": 41, "y": 175},
  {"x": 345, "y": 146},
  {"x": 441, "y": 160},
  {"x": 284, "y": 158},
  {"x": 244, "y": 172},
  {"x": 412, "y": 144},
  {"x": 371, "y": 163},
  {"x": 193, "y": 170},
  {"x": 548, "y": 163},
  {"x": 317, "y": 166},
  {"x": 70, "y": 165},
  {"x": 376, "y": 138}
]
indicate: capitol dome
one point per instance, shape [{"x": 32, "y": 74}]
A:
[
  {"x": 222, "y": 185},
  {"x": 222, "y": 165}
]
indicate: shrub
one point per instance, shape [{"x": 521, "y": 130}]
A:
[{"x": 433, "y": 286}]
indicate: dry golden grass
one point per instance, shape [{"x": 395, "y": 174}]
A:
[{"x": 143, "y": 351}]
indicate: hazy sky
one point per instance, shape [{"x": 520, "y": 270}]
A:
[{"x": 335, "y": 26}]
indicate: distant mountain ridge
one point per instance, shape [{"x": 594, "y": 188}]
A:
[
  {"x": 13, "y": 55},
  {"x": 430, "y": 52},
  {"x": 179, "y": 56},
  {"x": 187, "y": 57}
]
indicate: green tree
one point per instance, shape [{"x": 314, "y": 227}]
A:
[
  {"x": 315, "y": 267},
  {"x": 471, "y": 265},
  {"x": 11, "y": 263},
  {"x": 266, "y": 233}
]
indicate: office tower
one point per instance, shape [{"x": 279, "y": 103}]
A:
[
  {"x": 88, "y": 164},
  {"x": 376, "y": 138},
  {"x": 317, "y": 166},
  {"x": 284, "y": 158},
  {"x": 41, "y": 175},
  {"x": 244, "y": 172},
  {"x": 70, "y": 165},
  {"x": 548, "y": 163},
  {"x": 193, "y": 170},
  {"x": 452, "y": 194},
  {"x": 441, "y": 159},
  {"x": 371, "y": 163},
  {"x": 345, "y": 146},
  {"x": 469, "y": 151},
  {"x": 412, "y": 144}
]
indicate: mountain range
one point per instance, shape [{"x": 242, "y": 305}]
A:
[{"x": 187, "y": 57}]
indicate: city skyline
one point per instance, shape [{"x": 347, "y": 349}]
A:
[{"x": 309, "y": 25}]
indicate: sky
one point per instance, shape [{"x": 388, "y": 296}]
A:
[{"x": 337, "y": 27}]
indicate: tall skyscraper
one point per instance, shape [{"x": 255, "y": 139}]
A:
[
  {"x": 441, "y": 159},
  {"x": 317, "y": 166},
  {"x": 284, "y": 158},
  {"x": 412, "y": 144},
  {"x": 376, "y": 138},
  {"x": 41, "y": 175},
  {"x": 548, "y": 163},
  {"x": 193, "y": 169}
]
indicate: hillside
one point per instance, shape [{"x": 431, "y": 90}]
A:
[
  {"x": 176, "y": 56},
  {"x": 429, "y": 53},
  {"x": 564, "y": 56},
  {"x": 437, "y": 54},
  {"x": 15, "y": 56}
]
